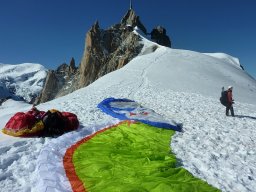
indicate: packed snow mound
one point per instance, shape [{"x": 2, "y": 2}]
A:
[
  {"x": 225, "y": 57},
  {"x": 148, "y": 46},
  {"x": 187, "y": 71},
  {"x": 24, "y": 81}
]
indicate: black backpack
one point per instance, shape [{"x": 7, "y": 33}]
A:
[
  {"x": 224, "y": 98},
  {"x": 54, "y": 123}
]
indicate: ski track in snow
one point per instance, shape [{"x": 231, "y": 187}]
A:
[{"x": 144, "y": 82}]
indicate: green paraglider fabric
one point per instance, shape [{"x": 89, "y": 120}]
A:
[{"x": 133, "y": 157}]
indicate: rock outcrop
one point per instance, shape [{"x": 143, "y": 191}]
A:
[
  {"x": 105, "y": 51},
  {"x": 158, "y": 34},
  {"x": 58, "y": 82},
  {"x": 131, "y": 19},
  {"x": 111, "y": 49}
]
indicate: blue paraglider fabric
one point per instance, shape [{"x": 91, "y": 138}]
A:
[{"x": 126, "y": 109}]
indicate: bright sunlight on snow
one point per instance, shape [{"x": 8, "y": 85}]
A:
[{"x": 180, "y": 85}]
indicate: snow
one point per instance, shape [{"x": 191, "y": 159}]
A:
[
  {"x": 21, "y": 80},
  {"x": 180, "y": 85},
  {"x": 225, "y": 57}
]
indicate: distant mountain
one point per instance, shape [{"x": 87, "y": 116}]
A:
[{"x": 22, "y": 81}]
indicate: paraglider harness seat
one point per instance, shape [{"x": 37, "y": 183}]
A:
[
  {"x": 54, "y": 123},
  {"x": 224, "y": 98}
]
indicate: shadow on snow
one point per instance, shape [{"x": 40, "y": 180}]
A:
[{"x": 245, "y": 116}]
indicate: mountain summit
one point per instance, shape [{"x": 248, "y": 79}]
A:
[
  {"x": 131, "y": 19},
  {"x": 105, "y": 51}
]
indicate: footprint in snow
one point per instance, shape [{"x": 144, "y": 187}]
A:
[
  {"x": 20, "y": 143},
  {"x": 8, "y": 161},
  {"x": 3, "y": 150},
  {"x": 13, "y": 154}
]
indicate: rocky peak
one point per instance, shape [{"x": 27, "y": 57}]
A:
[
  {"x": 158, "y": 34},
  {"x": 72, "y": 66},
  {"x": 57, "y": 82},
  {"x": 67, "y": 69},
  {"x": 131, "y": 19},
  {"x": 105, "y": 50},
  {"x": 62, "y": 68},
  {"x": 110, "y": 49},
  {"x": 96, "y": 27}
]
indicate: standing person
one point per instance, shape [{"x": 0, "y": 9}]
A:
[{"x": 230, "y": 101}]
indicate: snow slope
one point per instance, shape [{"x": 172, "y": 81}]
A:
[
  {"x": 21, "y": 81},
  {"x": 180, "y": 85}
]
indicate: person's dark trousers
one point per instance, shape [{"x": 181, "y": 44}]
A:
[{"x": 230, "y": 107}]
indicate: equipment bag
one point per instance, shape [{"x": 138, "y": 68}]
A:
[{"x": 224, "y": 98}]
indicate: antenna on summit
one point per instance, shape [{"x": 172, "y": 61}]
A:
[{"x": 130, "y": 4}]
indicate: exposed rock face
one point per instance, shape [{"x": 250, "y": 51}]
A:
[
  {"x": 58, "y": 82},
  {"x": 48, "y": 92},
  {"x": 105, "y": 51},
  {"x": 131, "y": 19},
  {"x": 108, "y": 50},
  {"x": 158, "y": 34},
  {"x": 66, "y": 69}
]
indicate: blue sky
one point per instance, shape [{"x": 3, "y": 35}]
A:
[{"x": 50, "y": 32}]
